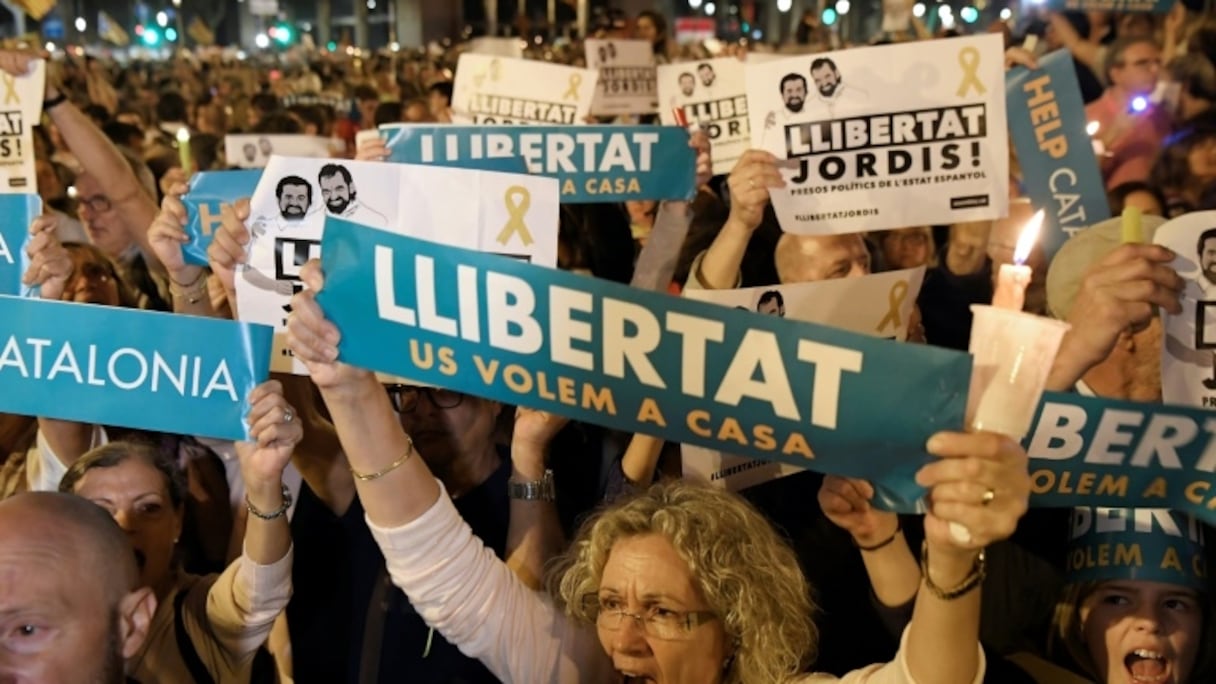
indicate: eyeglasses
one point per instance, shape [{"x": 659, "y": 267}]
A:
[
  {"x": 98, "y": 204},
  {"x": 659, "y": 623},
  {"x": 405, "y": 398}
]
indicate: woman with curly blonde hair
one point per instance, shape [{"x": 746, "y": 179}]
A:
[{"x": 682, "y": 584}]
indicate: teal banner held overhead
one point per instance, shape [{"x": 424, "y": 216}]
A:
[
  {"x": 131, "y": 368},
  {"x": 605, "y": 353}
]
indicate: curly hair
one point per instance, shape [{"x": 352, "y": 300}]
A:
[{"x": 747, "y": 573}]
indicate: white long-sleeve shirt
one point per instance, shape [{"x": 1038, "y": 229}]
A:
[{"x": 470, "y": 596}]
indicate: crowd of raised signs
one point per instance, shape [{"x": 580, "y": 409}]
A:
[{"x": 386, "y": 532}]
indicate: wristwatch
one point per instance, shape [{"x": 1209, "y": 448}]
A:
[{"x": 537, "y": 490}]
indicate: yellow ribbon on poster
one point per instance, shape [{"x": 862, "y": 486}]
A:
[
  {"x": 10, "y": 90},
  {"x": 517, "y": 200},
  {"x": 895, "y": 299},
  {"x": 576, "y": 80},
  {"x": 969, "y": 60}
]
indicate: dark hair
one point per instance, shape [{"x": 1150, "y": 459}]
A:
[
  {"x": 117, "y": 453},
  {"x": 1209, "y": 234},
  {"x": 292, "y": 180},
  {"x": 205, "y": 148},
  {"x": 265, "y": 103},
  {"x": 771, "y": 295},
  {"x": 820, "y": 62},
  {"x": 364, "y": 92},
  {"x": 444, "y": 88},
  {"x": 310, "y": 114},
  {"x": 1195, "y": 74},
  {"x": 705, "y": 65},
  {"x": 171, "y": 107},
  {"x": 330, "y": 170},
  {"x": 1172, "y": 170},
  {"x": 99, "y": 114},
  {"x": 596, "y": 237},
  {"x": 388, "y": 112},
  {"x": 660, "y": 29},
  {"x": 789, "y": 78},
  {"x": 1117, "y": 196},
  {"x": 689, "y": 74},
  {"x": 121, "y": 133},
  {"x": 278, "y": 123}
]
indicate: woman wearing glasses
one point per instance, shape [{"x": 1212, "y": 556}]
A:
[{"x": 681, "y": 584}]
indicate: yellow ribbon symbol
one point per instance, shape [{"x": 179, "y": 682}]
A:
[
  {"x": 969, "y": 60},
  {"x": 576, "y": 80},
  {"x": 899, "y": 292},
  {"x": 517, "y": 199},
  {"x": 10, "y": 90}
]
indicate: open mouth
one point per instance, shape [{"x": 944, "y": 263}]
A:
[
  {"x": 140, "y": 559},
  {"x": 631, "y": 678},
  {"x": 1147, "y": 667}
]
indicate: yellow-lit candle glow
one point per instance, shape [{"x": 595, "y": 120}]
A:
[{"x": 1013, "y": 278}]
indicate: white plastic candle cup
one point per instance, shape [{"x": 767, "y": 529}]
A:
[{"x": 1013, "y": 355}]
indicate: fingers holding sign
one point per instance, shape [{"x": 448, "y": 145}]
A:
[
  {"x": 754, "y": 174},
  {"x": 167, "y": 235},
  {"x": 314, "y": 340},
  {"x": 978, "y": 490},
  {"x": 229, "y": 247},
  {"x": 699, "y": 141},
  {"x": 50, "y": 263}
]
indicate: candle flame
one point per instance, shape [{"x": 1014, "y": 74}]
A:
[
  {"x": 1092, "y": 128},
  {"x": 183, "y": 134},
  {"x": 1028, "y": 238}
]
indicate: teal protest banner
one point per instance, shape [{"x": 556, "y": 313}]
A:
[
  {"x": 1047, "y": 124},
  {"x": 605, "y": 353},
  {"x": 592, "y": 163},
  {"x": 1154, "y": 6},
  {"x": 1149, "y": 545},
  {"x": 407, "y": 143},
  {"x": 1088, "y": 451},
  {"x": 208, "y": 190},
  {"x": 129, "y": 368},
  {"x": 18, "y": 210}
]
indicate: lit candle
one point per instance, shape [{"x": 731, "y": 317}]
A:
[
  {"x": 1133, "y": 231},
  {"x": 183, "y": 148},
  {"x": 1013, "y": 278},
  {"x": 1092, "y": 129}
]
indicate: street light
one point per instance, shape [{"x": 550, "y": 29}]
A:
[
  {"x": 81, "y": 24},
  {"x": 162, "y": 19}
]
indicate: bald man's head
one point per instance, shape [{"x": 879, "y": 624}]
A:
[
  {"x": 811, "y": 258},
  {"x": 89, "y": 535},
  {"x": 68, "y": 591}
]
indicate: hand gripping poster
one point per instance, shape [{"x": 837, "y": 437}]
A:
[{"x": 883, "y": 137}]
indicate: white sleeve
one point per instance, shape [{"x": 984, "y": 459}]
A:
[
  {"x": 464, "y": 591},
  {"x": 45, "y": 469}
]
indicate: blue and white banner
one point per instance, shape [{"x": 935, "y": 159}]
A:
[
  {"x": 414, "y": 143},
  {"x": 1047, "y": 124},
  {"x": 1154, "y": 6},
  {"x": 1088, "y": 451},
  {"x": 130, "y": 368},
  {"x": 609, "y": 354},
  {"x": 207, "y": 192},
  {"x": 591, "y": 163},
  {"x": 18, "y": 212}
]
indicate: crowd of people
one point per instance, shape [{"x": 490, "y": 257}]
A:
[{"x": 385, "y": 532}]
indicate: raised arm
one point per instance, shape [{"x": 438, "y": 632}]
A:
[
  {"x": 534, "y": 534},
  {"x": 1117, "y": 294},
  {"x": 750, "y": 181},
  {"x": 187, "y": 282}
]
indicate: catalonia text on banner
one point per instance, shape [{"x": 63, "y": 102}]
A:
[
  {"x": 502, "y": 90},
  {"x": 1088, "y": 451},
  {"x": 1047, "y": 123},
  {"x": 129, "y": 368},
  {"x": 899, "y": 135},
  {"x": 18, "y": 212},
  {"x": 208, "y": 191},
  {"x": 591, "y": 163},
  {"x": 609, "y": 354},
  {"x": 508, "y": 214},
  {"x": 713, "y": 95}
]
